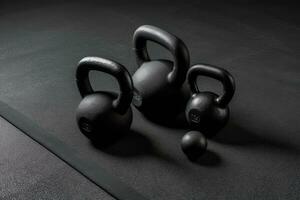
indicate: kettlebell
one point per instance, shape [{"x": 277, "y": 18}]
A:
[
  {"x": 103, "y": 116},
  {"x": 157, "y": 83},
  {"x": 206, "y": 111}
]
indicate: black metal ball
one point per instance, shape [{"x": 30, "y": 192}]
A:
[{"x": 193, "y": 144}]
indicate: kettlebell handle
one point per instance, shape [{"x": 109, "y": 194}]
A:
[
  {"x": 87, "y": 64},
  {"x": 214, "y": 72},
  {"x": 177, "y": 48}
]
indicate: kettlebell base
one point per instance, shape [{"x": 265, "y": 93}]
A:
[
  {"x": 165, "y": 111},
  {"x": 179, "y": 121}
]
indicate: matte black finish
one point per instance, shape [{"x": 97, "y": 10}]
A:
[
  {"x": 158, "y": 83},
  {"x": 255, "y": 156},
  {"x": 207, "y": 111},
  {"x": 103, "y": 116},
  {"x": 193, "y": 144}
]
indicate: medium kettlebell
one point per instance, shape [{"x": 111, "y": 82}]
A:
[
  {"x": 206, "y": 111},
  {"x": 103, "y": 116},
  {"x": 157, "y": 83}
]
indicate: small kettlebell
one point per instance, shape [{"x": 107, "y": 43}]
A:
[
  {"x": 206, "y": 111},
  {"x": 103, "y": 116},
  {"x": 157, "y": 83},
  {"x": 193, "y": 145}
]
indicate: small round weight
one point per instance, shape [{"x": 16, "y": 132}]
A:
[
  {"x": 103, "y": 116},
  {"x": 193, "y": 144}
]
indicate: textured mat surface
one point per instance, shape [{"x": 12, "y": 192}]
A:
[
  {"x": 255, "y": 156},
  {"x": 28, "y": 171}
]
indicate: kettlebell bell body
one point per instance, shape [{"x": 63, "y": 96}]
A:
[
  {"x": 206, "y": 111},
  {"x": 157, "y": 83},
  {"x": 103, "y": 116}
]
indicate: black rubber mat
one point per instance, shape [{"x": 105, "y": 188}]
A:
[
  {"x": 255, "y": 157},
  {"x": 88, "y": 168},
  {"x": 29, "y": 171}
]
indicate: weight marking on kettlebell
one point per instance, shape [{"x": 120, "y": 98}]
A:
[
  {"x": 86, "y": 125},
  {"x": 137, "y": 98},
  {"x": 194, "y": 116}
]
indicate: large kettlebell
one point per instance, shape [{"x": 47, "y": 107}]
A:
[
  {"x": 206, "y": 111},
  {"x": 158, "y": 83},
  {"x": 103, "y": 116}
]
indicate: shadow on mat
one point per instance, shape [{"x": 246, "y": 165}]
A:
[
  {"x": 131, "y": 144},
  {"x": 178, "y": 123},
  {"x": 235, "y": 134},
  {"x": 134, "y": 144},
  {"x": 210, "y": 159}
]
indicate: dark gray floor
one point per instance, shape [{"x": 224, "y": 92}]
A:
[
  {"x": 29, "y": 171},
  {"x": 255, "y": 157}
]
